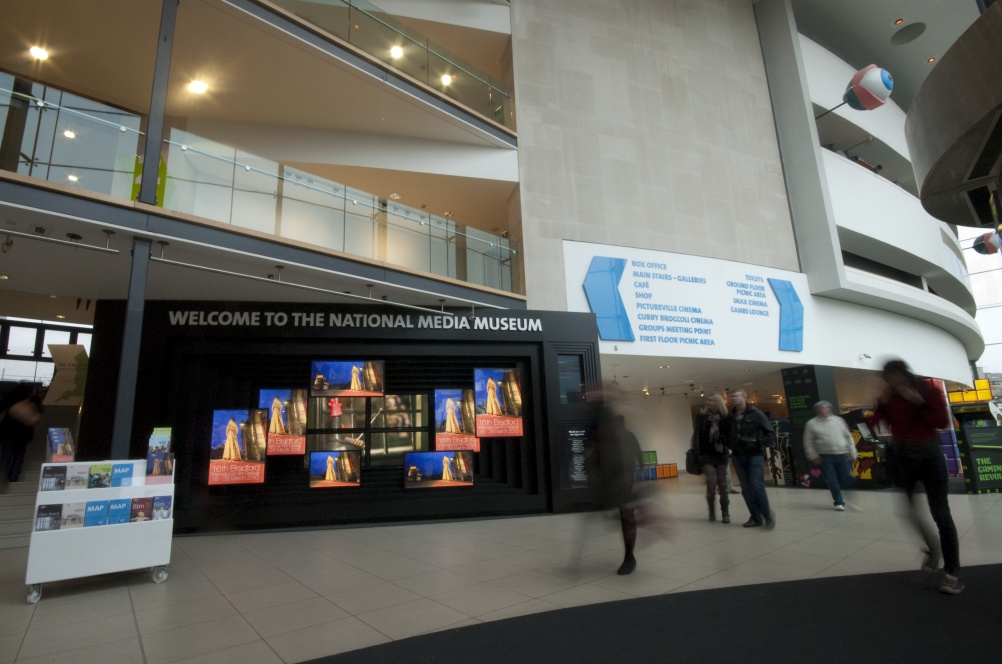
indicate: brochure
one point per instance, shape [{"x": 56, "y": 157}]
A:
[
  {"x": 161, "y": 507},
  {"x": 96, "y": 514},
  {"x": 121, "y": 474},
  {"x": 73, "y": 515},
  {"x": 48, "y": 517},
  {"x": 99, "y": 476},
  {"x": 119, "y": 511},
  {"x": 141, "y": 509},
  {"x": 53, "y": 478},
  {"x": 77, "y": 475}
]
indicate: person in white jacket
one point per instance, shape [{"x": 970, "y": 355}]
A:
[{"x": 827, "y": 442}]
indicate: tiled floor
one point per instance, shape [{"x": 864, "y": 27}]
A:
[{"x": 292, "y": 596}]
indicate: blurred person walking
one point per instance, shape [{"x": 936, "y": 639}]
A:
[
  {"x": 914, "y": 410},
  {"x": 827, "y": 442},
  {"x": 713, "y": 438},
  {"x": 753, "y": 434},
  {"x": 20, "y": 411},
  {"x": 611, "y": 454}
]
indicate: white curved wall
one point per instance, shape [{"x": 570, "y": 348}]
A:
[
  {"x": 888, "y": 224},
  {"x": 827, "y": 77}
]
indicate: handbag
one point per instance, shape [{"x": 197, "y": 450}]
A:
[
  {"x": 693, "y": 462},
  {"x": 25, "y": 412}
]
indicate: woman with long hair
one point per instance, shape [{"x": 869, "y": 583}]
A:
[{"x": 712, "y": 438}]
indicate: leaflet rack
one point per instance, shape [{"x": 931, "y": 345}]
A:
[{"x": 70, "y": 553}]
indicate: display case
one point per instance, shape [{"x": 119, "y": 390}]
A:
[{"x": 383, "y": 428}]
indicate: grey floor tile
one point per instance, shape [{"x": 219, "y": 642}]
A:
[
  {"x": 277, "y": 620},
  {"x": 173, "y": 616},
  {"x": 326, "y": 639},
  {"x": 255, "y": 652},
  {"x": 200, "y": 639},
  {"x": 76, "y": 635},
  {"x": 412, "y": 618},
  {"x": 261, "y": 598},
  {"x": 120, "y": 652},
  {"x": 370, "y": 598}
]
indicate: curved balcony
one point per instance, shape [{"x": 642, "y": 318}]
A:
[
  {"x": 875, "y": 138},
  {"x": 885, "y": 224},
  {"x": 954, "y": 128}
]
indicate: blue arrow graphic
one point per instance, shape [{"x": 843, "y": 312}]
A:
[
  {"x": 791, "y": 315},
  {"x": 601, "y": 286}
]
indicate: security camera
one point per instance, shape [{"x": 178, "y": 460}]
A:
[{"x": 471, "y": 317}]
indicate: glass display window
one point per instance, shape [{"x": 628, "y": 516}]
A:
[
  {"x": 388, "y": 448},
  {"x": 337, "y": 413}
]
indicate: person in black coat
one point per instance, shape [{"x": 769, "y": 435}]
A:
[
  {"x": 713, "y": 438},
  {"x": 14, "y": 433}
]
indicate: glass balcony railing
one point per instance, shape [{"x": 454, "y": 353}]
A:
[
  {"x": 372, "y": 30},
  {"x": 211, "y": 180},
  {"x": 60, "y": 137}
]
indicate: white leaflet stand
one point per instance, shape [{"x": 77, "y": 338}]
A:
[{"x": 71, "y": 553}]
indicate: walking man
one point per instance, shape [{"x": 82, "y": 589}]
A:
[
  {"x": 753, "y": 435},
  {"x": 827, "y": 442}
]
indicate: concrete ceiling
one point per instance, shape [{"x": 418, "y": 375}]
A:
[{"x": 862, "y": 32}]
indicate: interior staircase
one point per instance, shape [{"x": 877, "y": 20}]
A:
[{"x": 17, "y": 499}]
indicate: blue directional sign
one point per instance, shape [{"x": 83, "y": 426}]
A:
[
  {"x": 601, "y": 286},
  {"x": 791, "y": 315}
]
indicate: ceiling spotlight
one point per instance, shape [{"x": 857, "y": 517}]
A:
[
  {"x": 449, "y": 214},
  {"x": 69, "y": 133},
  {"x": 72, "y": 178},
  {"x": 395, "y": 196},
  {"x": 446, "y": 79},
  {"x": 664, "y": 366},
  {"x": 4, "y": 277},
  {"x": 38, "y": 53},
  {"x": 60, "y": 316},
  {"x": 198, "y": 87},
  {"x": 931, "y": 60},
  {"x": 899, "y": 21},
  {"x": 396, "y": 52},
  {"x": 702, "y": 394},
  {"x": 54, "y": 297}
]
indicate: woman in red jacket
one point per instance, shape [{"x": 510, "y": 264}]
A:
[{"x": 914, "y": 410}]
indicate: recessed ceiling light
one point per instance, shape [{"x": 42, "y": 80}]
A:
[
  {"x": 60, "y": 316},
  {"x": 54, "y": 297},
  {"x": 69, "y": 133},
  {"x": 38, "y": 53},
  {"x": 899, "y": 21},
  {"x": 198, "y": 87},
  {"x": 446, "y": 79},
  {"x": 664, "y": 366},
  {"x": 931, "y": 60},
  {"x": 448, "y": 214},
  {"x": 396, "y": 52},
  {"x": 72, "y": 178},
  {"x": 395, "y": 196},
  {"x": 4, "y": 277}
]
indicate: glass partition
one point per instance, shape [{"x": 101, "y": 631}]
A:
[
  {"x": 208, "y": 179},
  {"x": 72, "y": 108},
  {"x": 63, "y": 138},
  {"x": 369, "y": 28}
]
